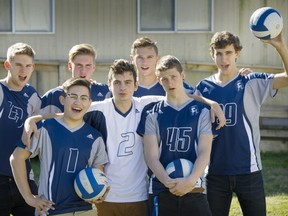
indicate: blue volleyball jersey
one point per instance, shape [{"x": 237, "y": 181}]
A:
[
  {"x": 177, "y": 131},
  {"x": 189, "y": 89},
  {"x": 157, "y": 89},
  {"x": 15, "y": 107},
  {"x": 236, "y": 149},
  {"x": 51, "y": 103},
  {"x": 63, "y": 153}
]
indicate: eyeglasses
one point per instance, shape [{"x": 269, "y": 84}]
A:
[{"x": 83, "y": 98}]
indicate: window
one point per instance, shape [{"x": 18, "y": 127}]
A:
[
  {"x": 175, "y": 16},
  {"x": 27, "y": 16}
]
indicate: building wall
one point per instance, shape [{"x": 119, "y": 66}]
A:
[{"x": 111, "y": 26}]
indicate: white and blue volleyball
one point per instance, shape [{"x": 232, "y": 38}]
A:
[
  {"x": 266, "y": 23},
  {"x": 90, "y": 184},
  {"x": 179, "y": 168}
]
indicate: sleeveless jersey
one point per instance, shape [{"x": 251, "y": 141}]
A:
[
  {"x": 51, "y": 103},
  {"x": 177, "y": 131},
  {"x": 126, "y": 170},
  {"x": 15, "y": 107},
  {"x": 236, "y": 149},
  {"x": 63, "y": 153}
]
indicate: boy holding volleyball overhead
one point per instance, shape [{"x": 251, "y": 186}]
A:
[
  {"x": 65, "y": 146},
  {"x": 235, "y": 158},
  {"x": 176, "y": 127}
]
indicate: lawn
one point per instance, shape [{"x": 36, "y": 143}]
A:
[{"x": 275, "y": 172}]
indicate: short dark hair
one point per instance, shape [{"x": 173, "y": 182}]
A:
[
  {"x": 168, "y": 62},
  {"x": 120, "y": 66},
  {"x": 222, "y": 39},
  {"x": 75, "y": 81}
]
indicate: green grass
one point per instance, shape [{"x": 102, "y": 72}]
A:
[{"x": 275, "y": 172}]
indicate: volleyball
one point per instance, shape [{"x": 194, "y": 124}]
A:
[
  {"x": 266, "y": 23},
  {"x": 90, "y": 184},
  {"x": 179, "y": 168}
]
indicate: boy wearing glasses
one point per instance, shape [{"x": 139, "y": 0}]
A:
[
  {"x": 82, "y": 64},
  {"x": 65, "y": 146}
]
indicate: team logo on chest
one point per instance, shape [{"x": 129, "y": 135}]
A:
[
  {"x": 194, "y": 110},
  {"x": 239, "y": 85},
  {"x": 16, "y": 114}
]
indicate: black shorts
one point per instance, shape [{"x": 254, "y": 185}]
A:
[{"x": 11, "y": 201}]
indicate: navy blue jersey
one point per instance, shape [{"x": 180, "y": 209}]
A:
[
  {"x": 15, "y": 107},
  {"x": 63, "y": 153},
  {"x": 98, "y": 121},
  {"x": 189, "y": 89},
  {"x": 51, "y": 103},
  {"x": 177, "y": 131},
  {"x": 157, "y": 89},
  {"x": 236, "y": 149}
]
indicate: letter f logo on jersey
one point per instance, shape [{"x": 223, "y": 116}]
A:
[
  {"x": 194, "y": 110},
  {"x": 239, "y": 85}
]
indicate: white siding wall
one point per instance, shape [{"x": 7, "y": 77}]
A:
[{"x": 111, "y": 26}]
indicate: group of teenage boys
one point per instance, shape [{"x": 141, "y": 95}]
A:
[{"x": 175, "y": 124}]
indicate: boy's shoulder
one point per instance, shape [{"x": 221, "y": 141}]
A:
[
  {"x": 57, "y": 90},
  {"x": 29, "y": 89}
]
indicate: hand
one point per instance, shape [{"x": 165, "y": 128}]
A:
[
  {"x": 30, "y": 128},
  {"x": 216, "y": 111},
  {"x": 41, "y": 204},
  {"x": 245, "y": 71},
  {"x": 277, "y": 41},
  {"x": 182, "y": 187},
  {"x": 170, "y": 183},
  {"x": 92, "y": 81}
]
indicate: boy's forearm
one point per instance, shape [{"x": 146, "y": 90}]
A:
[
  {"x": 203, "y": 100},
  {"x": 38, "y": 118},
  {"x": 18, "y": 166}
]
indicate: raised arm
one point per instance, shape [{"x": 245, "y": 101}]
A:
[
  {"x": 30, "y": 126},
  {"x": 281, "y": 79},
  {"x": 215, "y": 110}
]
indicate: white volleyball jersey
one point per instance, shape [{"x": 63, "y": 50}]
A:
[{"x": 126, "y": 170}]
